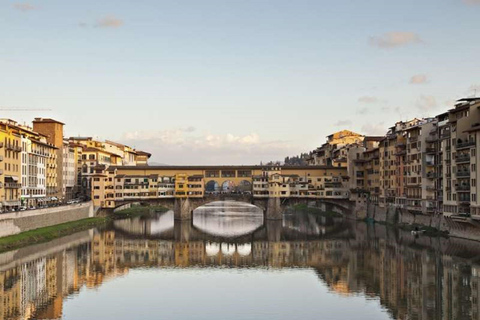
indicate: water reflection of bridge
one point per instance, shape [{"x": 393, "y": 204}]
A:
[
  {"x": 414, "y": 278},
  {"x": 244, "y": 229}
]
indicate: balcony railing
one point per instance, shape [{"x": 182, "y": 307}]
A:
[
  {"x": 431, "y": 175},
  {"x": 466, "y": 144},
  {"x": 12, "y": 185},
  {"x": 431, "y": 138},
  {"x": 463, "y": 174},
  {"x": 430, "y": 150},
  {"x": 462, "y": 158},
  {"x": 463, "y": 188}
]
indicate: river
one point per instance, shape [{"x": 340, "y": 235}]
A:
[{"x": 230, "y": 263}]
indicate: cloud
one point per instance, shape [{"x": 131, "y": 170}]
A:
[
  {"x": 343, "y": 123},
  {"x": 426, "y": 103},
  {"x": 109, "y": 22},
  {"x": 395, "y": 39},
  {"x": 418, "y": 79},
  {"x": 24, "y": 6},
  {"x": 368, "y": 99},
  {"x": 187, "y": 146},
  {"x": 374, "y": 129},
  {"x": 362, "y": 111},
  {"x": 471, "y": 2}
]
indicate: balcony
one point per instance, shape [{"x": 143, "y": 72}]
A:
[
  {"x": 430, "y": 150},
  {"x": 462, "y": 158},
  {"x": 430, "y": 163},
  {"x": 463, "y": 188},
  {"x": 463, "y": 173},
  {"x": 431, "y": 138},
  {"x": 445, "y": 135},
  {"x": 464, "y": 145},
  {"x": 12, "y": 185},
  {"x": 431, "y": 175}
]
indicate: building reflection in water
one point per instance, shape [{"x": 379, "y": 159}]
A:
[{"x": 413, "y": 278}]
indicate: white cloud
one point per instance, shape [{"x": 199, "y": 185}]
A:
[
  {"x": 343, "y": 123},
  {"x": 368, "y": 99},
  {"x": 24, "y": 6},
  {"x": 377, "y": 129},
  {"x": 186, "y": 146},
  {"x": 426, "y": 103},
  {"x": 418, "y": 79},
  {"x": 395, "y": 39},
  {"x": 363, "y": 111},
  {"x": 109, "y": 22}
]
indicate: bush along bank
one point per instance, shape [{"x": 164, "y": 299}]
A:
[{"x": 138, "y": 211}]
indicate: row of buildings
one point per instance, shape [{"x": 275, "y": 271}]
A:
[
  {"x": 39, "y": 166},
  {"x": 113, "y": 185},
  {"x": 426, "y": 165}
]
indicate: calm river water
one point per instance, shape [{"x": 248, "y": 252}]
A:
[{"x": 229, "y": 264}]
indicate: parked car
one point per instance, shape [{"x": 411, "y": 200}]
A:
[{"x": 22, "y": 208}]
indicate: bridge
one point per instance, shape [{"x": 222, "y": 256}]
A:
[
  {"x": 185, "y": 188},
  {"x": 273, "y": 208}
]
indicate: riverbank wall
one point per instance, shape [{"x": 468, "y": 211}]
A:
[
  {"x": 21, "y": 221},
  {"x": 458, "y": 227}
]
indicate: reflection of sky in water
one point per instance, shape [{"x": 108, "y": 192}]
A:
[
  {"x": 163, "y": 223},
  {"x": 220, "y": 294},
  {"x": 228, "y": 218}
]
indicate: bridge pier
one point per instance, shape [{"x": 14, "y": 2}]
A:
[
  {"x": 182, "y": 230},
  {"x": 182, "y": 209},
  {"x": 274, "y": 230},
  {"x": 274, "y": 209}
]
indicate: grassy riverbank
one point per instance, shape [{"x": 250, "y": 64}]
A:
[
  {"x": 60, "y": 230},
  {"x": 138, "y": 211},
  {"x": 49, "y": 233},
  {"x": 306, "y": 209}
]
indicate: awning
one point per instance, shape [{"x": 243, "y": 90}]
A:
[{"x": 12, "y": 177}]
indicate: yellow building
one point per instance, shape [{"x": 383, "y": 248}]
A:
[{"x": 10, "y": 165}]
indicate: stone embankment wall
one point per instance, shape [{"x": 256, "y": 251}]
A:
[
  {"x": 21, "y": 221},
  {"x": 466, "y": 229}
]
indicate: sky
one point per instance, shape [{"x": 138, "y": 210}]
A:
[{"x": 234, "y": 82}]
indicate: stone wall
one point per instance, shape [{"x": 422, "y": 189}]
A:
[
  {"x": 21, "y": 221},
  {"x": 466, "y": 229}
]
